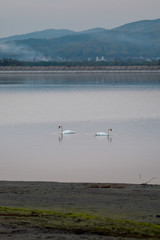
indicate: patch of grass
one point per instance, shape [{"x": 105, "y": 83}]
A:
[{"x": 75, "y": 222}]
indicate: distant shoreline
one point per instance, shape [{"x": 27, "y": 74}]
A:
[{"x": 78, "y": 69}]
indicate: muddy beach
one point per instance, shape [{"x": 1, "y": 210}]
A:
[{"x": 25, "y": 205}]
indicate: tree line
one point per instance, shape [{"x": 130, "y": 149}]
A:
[{"x": 113, "y": 62}]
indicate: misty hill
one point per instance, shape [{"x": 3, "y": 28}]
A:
[
  {"x": 49, "y": 34},
  {"x": 138, "y": 39},
  {"x": 93, "y": 30},
  {"x": 45, "y": 34},
  {"x": 144, "y": 25}
]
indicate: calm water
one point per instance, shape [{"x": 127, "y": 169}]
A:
[{"x": 32, "y": 106}]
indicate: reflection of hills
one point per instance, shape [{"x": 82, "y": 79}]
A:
[
  {"x": 131, "y": 40},
  {"x": 70, "y": 80}
]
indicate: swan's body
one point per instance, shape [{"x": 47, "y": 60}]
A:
[
  {"x": 66, "y": 131},
  {"x": 103, "y": 134}
]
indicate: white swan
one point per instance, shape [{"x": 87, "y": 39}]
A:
[
  {"x": 66, "y": 131},
  {"x": 104, "y": 133}
]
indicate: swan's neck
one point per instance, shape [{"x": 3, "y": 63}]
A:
[
  {"x": 108, "y": 131},
  {"x": 61, "y": 128}
]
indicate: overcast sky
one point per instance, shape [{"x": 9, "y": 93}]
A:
[{"x": 24, "y": 16}]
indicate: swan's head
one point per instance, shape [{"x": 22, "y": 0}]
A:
[
  {"x": 59, "y": 127},
  {"x": 110, "y": 129}
]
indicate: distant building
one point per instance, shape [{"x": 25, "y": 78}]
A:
[
  {"x": 97, "y": 59},
  {"x": 101, "y": 59}
]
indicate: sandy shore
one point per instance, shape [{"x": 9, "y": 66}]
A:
[
  {"x": 117, "y": 201},
  {"x": 77, "y": 69}
]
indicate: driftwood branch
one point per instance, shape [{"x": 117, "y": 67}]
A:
[{"x": 148, "y": 181}]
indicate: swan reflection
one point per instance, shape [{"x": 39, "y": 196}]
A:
[{"x": 60, "y": 137}]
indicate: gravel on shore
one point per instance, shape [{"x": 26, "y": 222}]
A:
[{"x": 116, "y": 201}]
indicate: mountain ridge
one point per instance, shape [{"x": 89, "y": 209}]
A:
[
  {"x": 139, "y": 25},
  {"x": 132, "y": 40},
  {"x": 49, "y": 34}
]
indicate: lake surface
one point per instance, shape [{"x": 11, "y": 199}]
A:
[{"x": 32, "y": 106}]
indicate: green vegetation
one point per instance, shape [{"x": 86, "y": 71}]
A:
[
  {"x": 10, "y": 62},
  {"x": 74, "y": 222},
  {"x": 116, "y": 62}
]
